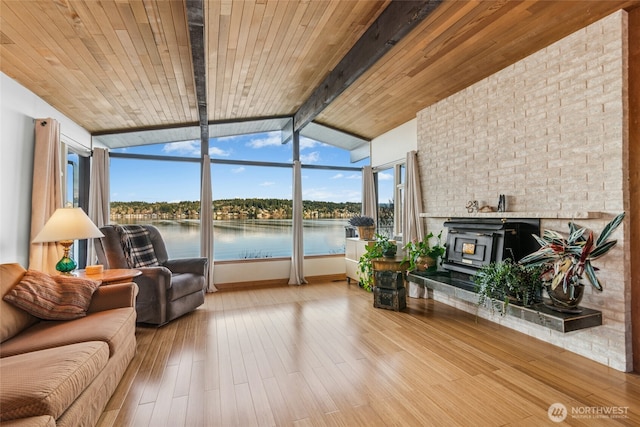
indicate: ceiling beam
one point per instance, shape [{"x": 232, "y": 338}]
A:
[
  {"x": 395, "y": 22},
  {"x": 195, "y": 21}
]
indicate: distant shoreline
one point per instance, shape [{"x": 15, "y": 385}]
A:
[{"x": 233, "y": 209}]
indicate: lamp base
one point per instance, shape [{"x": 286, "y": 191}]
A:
[{"x": 66, "y": 265}]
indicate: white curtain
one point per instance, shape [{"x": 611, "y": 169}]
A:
[
  {"x": 46, "y": 193},
  {"x": 206, "y": 220},
  {"x": 369, "y": 207},
  {"x": 296, "y": 276},
  {"x": 98, "y": 195},
  {"x": 412, "y": 228}
]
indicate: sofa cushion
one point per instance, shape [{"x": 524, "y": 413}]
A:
[
  {"x": 41, "y": 421},
  {"x": 111, "y": 326},
  {"x": 52, "y": 297},
  {"x": 47, "y": 382},
  {"x": 137, "y": 246},
  {"x": 13, "y": 319}
]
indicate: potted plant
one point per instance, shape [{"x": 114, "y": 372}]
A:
[
  {"x": 422, "y": 256},
  {"x": 366, "y": 226},
  {"x": 507, "y": 281},
  {"x": 564, "y": 261},
  {"x": 389, "y": 247},
  {"x": 381, "y": 248}
]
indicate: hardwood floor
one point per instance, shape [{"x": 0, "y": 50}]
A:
[{"x": 321, "y": 355}]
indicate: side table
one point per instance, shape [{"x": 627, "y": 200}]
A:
[
  {"x": 388, "y": 280},
  {"x": 110, "y": 277}
]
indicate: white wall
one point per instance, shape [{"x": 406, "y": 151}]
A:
[
  {"x": 19, "y": 108},
  {"x": 264, "y": 270},
  {"x": 393, "y": 146}
]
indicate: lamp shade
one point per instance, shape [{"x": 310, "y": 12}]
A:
[{"x": 68, "y": 224}]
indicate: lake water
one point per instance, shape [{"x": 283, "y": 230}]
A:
[{"x": 250, "y": 238}]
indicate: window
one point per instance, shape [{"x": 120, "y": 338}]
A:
[
  {"x": 172, "y": 149},
  {"x": 251, "y": 211},
  {"x": 72, "y": 180},
  {"x": 390, "y": 190},
  {"x": 386, "y": 196},
  {"x": 330, "y": 197},
  {"x": 260, "y": 147},
  {"x": 76, "y": 188},
  {"x": 251, "y": 178},
  {"x": 400, "y": 178},
  {"x": 161, "y": 193}
]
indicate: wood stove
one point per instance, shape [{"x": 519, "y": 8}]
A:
[{"x": 475, "y": 242}]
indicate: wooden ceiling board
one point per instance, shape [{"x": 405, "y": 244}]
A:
[
  {"x": 460, "y": 44},
  {"x": 395, "y": 83},
  {"x": 108, "y": 65},
  {"x": 266, "y": 57}
]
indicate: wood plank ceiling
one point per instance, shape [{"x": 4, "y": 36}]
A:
[{"x": 114, "y": 65}]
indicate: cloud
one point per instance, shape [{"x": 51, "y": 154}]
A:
[
  {"x": 215, "y": 151},
  {"x": 192, "y": 148},
  {"x": 226, "y": 138},
  {"x": 383, "y": 176},
  {"x": 331, "y": 195},
  {"x": 312, "y": 157},
  {"x": 238, "y": 170},
  {"x": 267, "y": 184},
  {"x": 271, "y": 139},
  {"x": 337, "y": 176},
  {"x": 308, "y": 143},
  {"x": 354, "y": 176},
  {"x": 183, "y": 147}
]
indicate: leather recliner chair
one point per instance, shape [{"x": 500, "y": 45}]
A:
[{"x": 167, "y": 291}]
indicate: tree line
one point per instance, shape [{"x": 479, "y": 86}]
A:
[{"x": 233, "y": 208}]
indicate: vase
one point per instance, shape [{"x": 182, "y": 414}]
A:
[
  {"x": 566, "y": 302},
  {"x": 366, "y": 233},
  {"x": 424, "y": 263}
]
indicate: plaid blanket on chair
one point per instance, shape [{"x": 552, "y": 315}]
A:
[{"x": 137, "y": 246}]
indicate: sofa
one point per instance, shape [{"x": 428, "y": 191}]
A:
[
  {"x": 63, "y": 372},
  {"x": 168, "y": 288}
]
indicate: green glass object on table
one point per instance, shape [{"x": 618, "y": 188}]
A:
[{"x": 66, "y": 264}]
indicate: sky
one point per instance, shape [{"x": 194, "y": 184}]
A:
[{"x": 151, "y": 181}]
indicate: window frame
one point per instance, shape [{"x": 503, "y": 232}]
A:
[
  {"x": 235, "y": 162},
  {"x": 81, "y": 179},
  {"x": 399, "y": 178}
]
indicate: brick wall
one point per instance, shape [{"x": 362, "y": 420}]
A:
[{"x": 551, "y": 133}]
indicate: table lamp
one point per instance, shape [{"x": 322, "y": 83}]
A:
[{"x": 65, "y": 226}]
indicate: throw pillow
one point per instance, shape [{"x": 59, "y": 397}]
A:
[
  {"x": 52, "y": 297},
  {"x": 137, "y": 246}
]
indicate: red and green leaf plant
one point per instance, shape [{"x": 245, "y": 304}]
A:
[{"x": 564, "y": 261}]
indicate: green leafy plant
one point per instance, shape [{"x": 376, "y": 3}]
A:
[
  {"x": 389, "y": 247},
  {"x": 418, "y": 249},
  {"x": 507, "y": 281},
  {"x": 365, "y": 264},
  {"x": 565, "y": 260}
]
